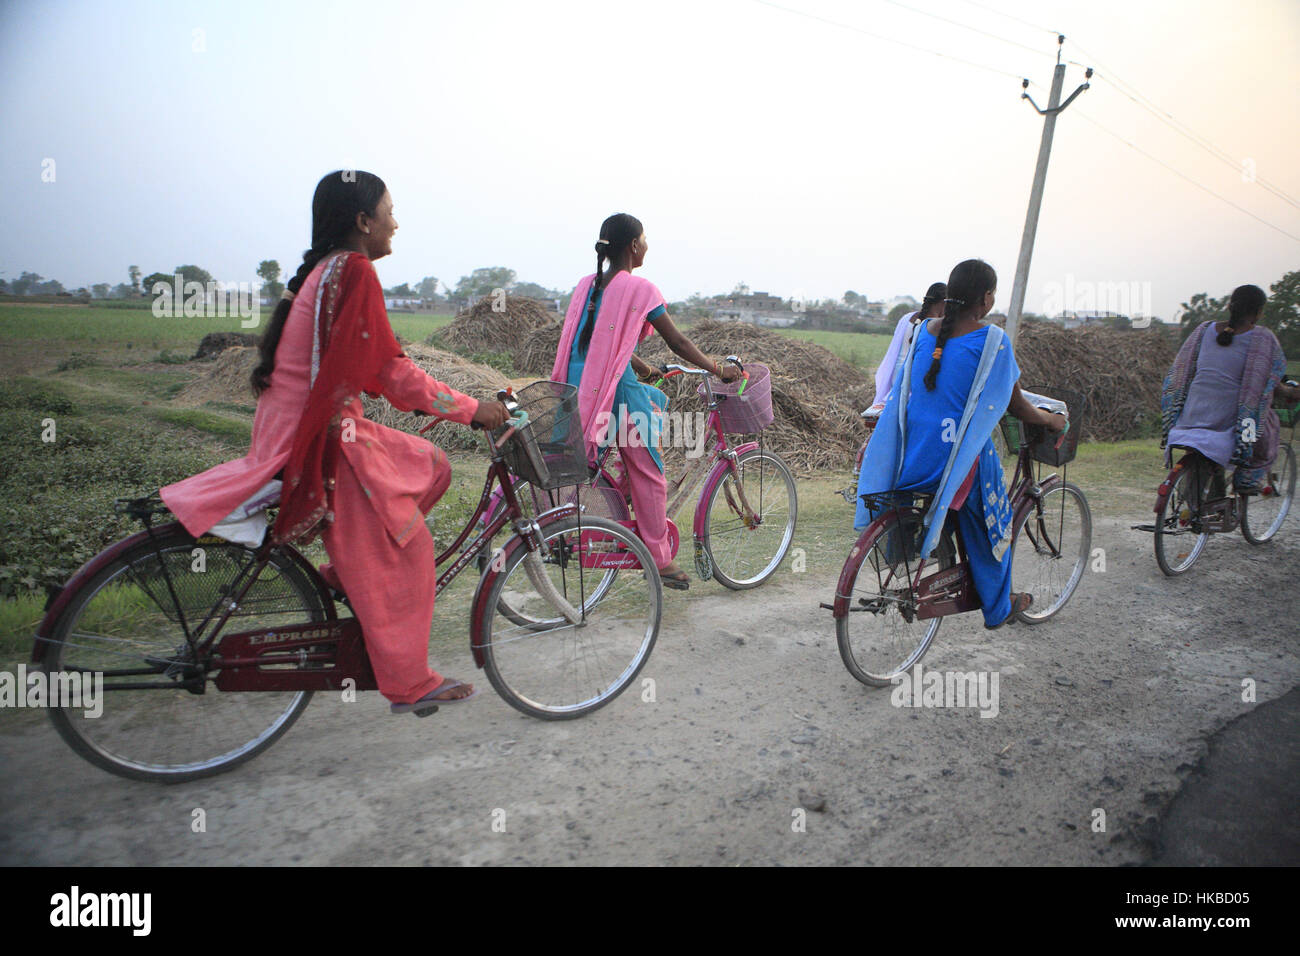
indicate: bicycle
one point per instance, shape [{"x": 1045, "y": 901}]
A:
[
  {"x": 1192, "y": 503},
  {"x": 744, "y": 520},
  {"x": 887, "y": 609},
  {"x": 210, "y": 650}
]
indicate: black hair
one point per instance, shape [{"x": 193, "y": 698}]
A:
[
  {"x": 339, "y": 196},
  {"x": 617, "y": 233},
  {"x": 967, "y": 284},
  {"x": 936, "y": 293},
  {"x": 1246, "y": 301}
]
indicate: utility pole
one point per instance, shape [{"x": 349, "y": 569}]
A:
[{"x": 1054, "y": 106}]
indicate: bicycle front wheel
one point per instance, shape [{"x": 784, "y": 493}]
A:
[
  {"x": 745, "y": 545},
  {"x": 1262, "y": 514},
  {"x": 162, "y": 719},
  {"x": 1051, "y": 549},
  {"x": 1179, "y": 539},
  {"x": 881, "y": 638},
  {"x": 548, "y": 667}
]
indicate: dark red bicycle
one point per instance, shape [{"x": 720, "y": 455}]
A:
[
  {"x": 890, "y": 601},
  {"x": 210, "y": 650}
]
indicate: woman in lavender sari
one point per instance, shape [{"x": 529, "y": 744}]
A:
[{"x": 1218, "y": 397}]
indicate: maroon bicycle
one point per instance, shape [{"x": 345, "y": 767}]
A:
[{"x": 210, "y": 650}]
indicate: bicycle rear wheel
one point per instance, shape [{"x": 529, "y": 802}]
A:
[
  {"x": 1051, "y": 550},
  {"x": 1262, "y": 514},
  {"x": 880, "y": 638},
  {"x": 745, "y": 549},
  {"x": 548, "y": 667},
  {"x": 124, "y": 620},
  {"x": 1179, "y": 539}
]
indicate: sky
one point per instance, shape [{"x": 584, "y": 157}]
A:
[{"x": 805, "y": 148}]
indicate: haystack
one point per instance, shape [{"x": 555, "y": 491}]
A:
[
  {"x": 1119, "y": 371},
  {"x": 484, "y": 329}
]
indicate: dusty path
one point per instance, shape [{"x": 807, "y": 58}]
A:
[{"x": 1108, "y": 707}]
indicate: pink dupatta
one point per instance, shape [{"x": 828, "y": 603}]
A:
[{"x": 620, "y": 326}]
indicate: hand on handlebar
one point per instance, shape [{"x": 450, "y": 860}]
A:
[
  {"x": 728, "y": 371},
  {"x": 490, "y": 415}
]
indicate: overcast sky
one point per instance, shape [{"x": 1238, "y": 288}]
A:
[{"x": 756, "y": 144}]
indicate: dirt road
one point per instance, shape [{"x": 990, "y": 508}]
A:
[{"x": 758, "y": 747}]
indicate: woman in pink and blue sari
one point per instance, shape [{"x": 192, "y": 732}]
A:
[{"x": 610, "y": 313}]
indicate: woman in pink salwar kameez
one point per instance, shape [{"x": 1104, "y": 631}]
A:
[
  {"x": 609, "y": 313},
  {"x": 363, "y": 488}
]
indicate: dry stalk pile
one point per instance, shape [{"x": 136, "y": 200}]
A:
[
  {"x": 480, "y": 329},
  {"x": 1120, "y": 372}
]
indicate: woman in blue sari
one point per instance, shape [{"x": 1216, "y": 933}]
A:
[{"x": 935, "y": 434}]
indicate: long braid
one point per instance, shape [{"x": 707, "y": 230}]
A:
[
  {"x": 617, "y": 233},
  {"x": 339, "y": 197},
  {"x": 596, "y": 283},
  {"x": 952, "y": 309},
  {"x": 965, "y": 291},
  {"x": 1246, "y": 300}
]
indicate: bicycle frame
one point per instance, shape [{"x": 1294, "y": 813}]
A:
[{"x": 948, "y": 590}]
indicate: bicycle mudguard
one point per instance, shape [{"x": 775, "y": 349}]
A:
[
  {"x": 844, "y": 586},
  {"x": 113, "y": 552},
  {"x": 494, "y": 568},
  {"x": 716, "y": 474},
  {"x": 1166, "y": 486},
  {"x": 60, "y": 599}
]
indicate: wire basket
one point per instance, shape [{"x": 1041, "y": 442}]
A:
[
  {"x": 744, "y": 414},
  {"x": 1050, "y": 448},
  {"x": 548, "y": 450}
]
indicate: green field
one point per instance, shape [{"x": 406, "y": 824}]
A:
[{"x": 857, "y": 348}]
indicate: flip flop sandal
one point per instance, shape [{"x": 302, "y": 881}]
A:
[
  {"x": 1016, "y": 607},
  {"x": 681, "y": 581},
  {"x": 430, "y": 702}
]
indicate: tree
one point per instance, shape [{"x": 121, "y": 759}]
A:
[
  {"x": 194, "y": 274},
  {"x": 154, "y": 278},
  {"x": 4, "y": 286},
  {"x": 49, "y": 287},
  {"x": 852, "y": 299},
  {"x": 740, "y": 289},
  {"x": 269, "y": 270},
  {"x": 100, "y": 290},
  {"x": 124, "y": 291},
  {"x": 1202, "y": 309},
  {"x": 134, "y": 273},
  {"x": 898, "y": 311},
  {"x": 535, "y": 291},
  {"x": 427, "y": 287},
  {"x": 1282, "y": 312},
  {"x": 25, "y": 282},
  {"x": 485, "y": 281},
  {"x": 402, "y": 291}
]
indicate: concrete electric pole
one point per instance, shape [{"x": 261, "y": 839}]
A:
[{"x": 1054, "y": 106}]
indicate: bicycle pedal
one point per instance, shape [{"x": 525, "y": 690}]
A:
[{"x": 426, "y": 711}]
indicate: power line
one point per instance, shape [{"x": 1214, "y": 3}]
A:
[
  {"x": 967, "y": 26},
  {"x": 1178, "y": 126},
  {"x": 1010, "y": 17},
  {"x": 1186, "y": 177},
  {"x": 888, "y": 39}
]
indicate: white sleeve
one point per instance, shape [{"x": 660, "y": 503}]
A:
[{"x": 885, "y": 373}]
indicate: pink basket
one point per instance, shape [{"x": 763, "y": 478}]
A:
[{"x": 747, "y": 413}]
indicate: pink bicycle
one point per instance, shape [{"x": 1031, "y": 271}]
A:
[{"x": 745, "y": 517}]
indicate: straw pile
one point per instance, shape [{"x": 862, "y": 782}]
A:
[
  {"x": 224, "y": 379},
  {"x": 480, "y": 329},
  {"x": 1120, "y": 372}
]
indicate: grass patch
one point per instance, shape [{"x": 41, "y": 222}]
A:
[
  {"x": 417, "y": 327},
  {"x": 18, "y": 619},
  {"x": 862, "y": 349},
  {"x": 228, "y": 429}
]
